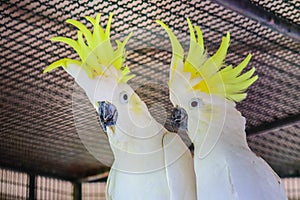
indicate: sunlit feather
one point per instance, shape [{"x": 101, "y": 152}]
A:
[
  {"x": 95, "y": 50},
  {"x": 215, "y": 78}
]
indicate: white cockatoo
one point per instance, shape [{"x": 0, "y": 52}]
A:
[
  {"x": 204, "y": 91},
  {"x": 150, "y": 162}
]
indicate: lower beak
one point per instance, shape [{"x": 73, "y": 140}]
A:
[
  {"x": 108, "y": 115},
  {"x": 179, "y": 119}
]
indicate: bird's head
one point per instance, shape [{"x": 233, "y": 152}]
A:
[
  {"x": 201, "y": 87},
  {"x": 101, "y": 73}
]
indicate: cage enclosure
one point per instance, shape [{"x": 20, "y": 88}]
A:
[{"x": 51, "y": 146}]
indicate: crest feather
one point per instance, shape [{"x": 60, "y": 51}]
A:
[
  {"x": 214, "y": 77},
  {"x": 177, "y": 50},
  {"x": 95, "y": 50}
]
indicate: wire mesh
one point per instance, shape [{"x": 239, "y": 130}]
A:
[
  {"x": 292, "y": 188},
  {"x": 287, "y": 9},
  {"x": 93, "y": 191},
  {"x": 50, "y": 188},
  {"x": 38, "y": 132},
  {"x": 13, "y": 185},
  {"x": 279, "y": 148}
]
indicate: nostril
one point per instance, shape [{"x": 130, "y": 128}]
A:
[
  {"x": 178, "y": 116},
  {"x": 108, "y": 114},
  {"x": 107, "y": 117},
  {"x": 173, "y": 116},
  {"x": 177, "y": 120}
]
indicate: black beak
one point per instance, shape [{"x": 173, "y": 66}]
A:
[
  {"x": 108, "y": 114},
  {"x": 179, "y": 119}
]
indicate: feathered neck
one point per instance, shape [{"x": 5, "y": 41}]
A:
[
  {"x": 220, "y": 127},
  {"x": 136, "y": 139},
  {"x": 138, "y": 147}
]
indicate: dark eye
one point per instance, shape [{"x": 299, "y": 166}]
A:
[
  {"x": 123, "y": 97},
  {"x": 195, "y": 102}
]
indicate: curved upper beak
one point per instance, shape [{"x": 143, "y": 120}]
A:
[
  {"x": 179, "y": 119},
  {"x": 108, "y": 114}
]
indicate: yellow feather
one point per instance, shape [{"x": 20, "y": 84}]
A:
[
  {"x": 242, "y": 77},
  {"x": 200, "y": 37},
  {"x": 214, "y": 63},
  {"x": 82, "y": 46},
  {"x": 229, "y": 67},
  {"x": 61, "y": 63},
  {"x": 202, "y": 86},
  {"x": 195, "y": 57},
  {"x": 126, "y": 78},
  {"x": 87, "y": 34},
  {"x": 219, "y": 57},
  {"x": 107, "y": 31},
  {"x": 240, "y": 87},
  {"x": 237, "y": 97},
  {"x": 97, "y": 53},
  {"x": 177, "y": 49},
  {"x": 215, "y": 79},
  {"x": 68, "y": 41},
  {"x": 238, "y": 69},
  {"x": 192, "y": 33},
  {"x": 98, "y": 33},
  {"x": 119, "y": 54}
]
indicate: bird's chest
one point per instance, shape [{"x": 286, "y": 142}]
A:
[
  {"x": 213, "y": 178},
  {"x": 147, "y": 185}
]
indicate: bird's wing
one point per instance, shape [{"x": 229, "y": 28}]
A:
[
  {"x": 252, "y": 177},
  {"x": 179, "y": 168}
]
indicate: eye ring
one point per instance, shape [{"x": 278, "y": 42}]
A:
[
  {"x": 124, "y": 97},
  {"x": 195, "y": 103}
]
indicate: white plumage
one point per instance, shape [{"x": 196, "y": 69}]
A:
[
  {"x": 230, "y": 170},
  {"x": 205, "y": 88},
  {"x": 150, "y": 162}
]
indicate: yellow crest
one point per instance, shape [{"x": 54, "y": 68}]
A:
[
  {"x": 214, "y": 77},
  {"x": 95, "y": 50}
]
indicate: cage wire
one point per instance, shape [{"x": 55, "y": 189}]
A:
[
  {"x": 93, "y": 191},
  {"x": 15, "y": 185},
  {"x": 39, "y": 130}
]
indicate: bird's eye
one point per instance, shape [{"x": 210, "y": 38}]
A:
[
  {"x": 124, "y": 97},
  {"x": 195, "y": 102}
]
